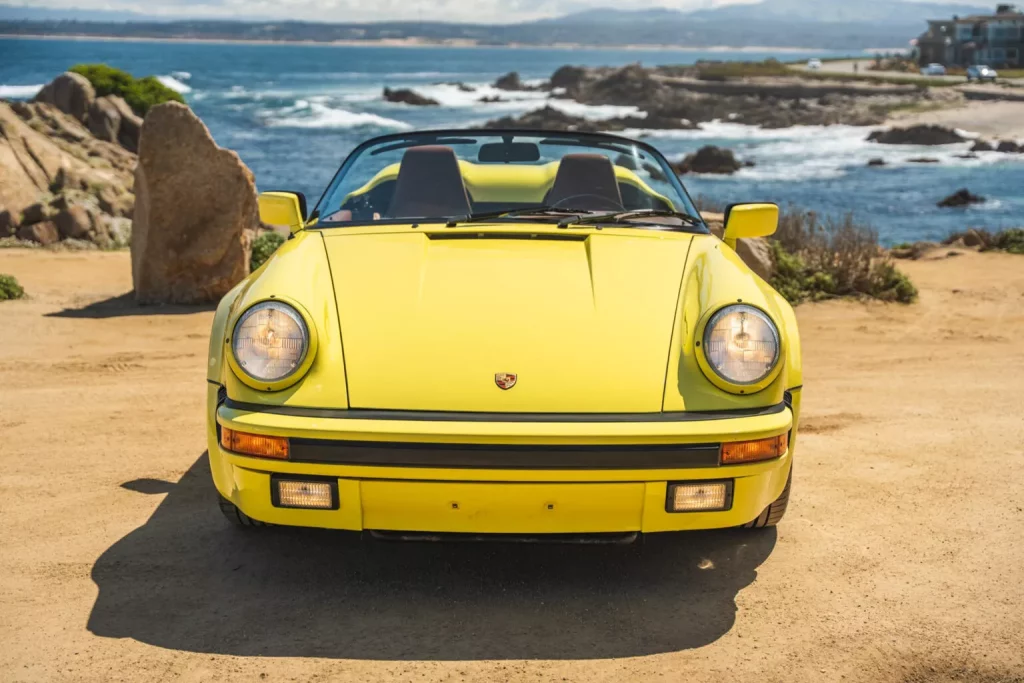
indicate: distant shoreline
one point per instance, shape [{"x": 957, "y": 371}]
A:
[{"x": 417, "y": 42}]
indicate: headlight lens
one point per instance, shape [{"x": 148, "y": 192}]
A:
[
  {"x": 741, "y": 344},
  {"x": 270, "y": 341}
]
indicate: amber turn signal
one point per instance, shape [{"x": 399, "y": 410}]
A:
[
  {"x": 254, "y": 444},
  {"x": 753, "y": 451}
]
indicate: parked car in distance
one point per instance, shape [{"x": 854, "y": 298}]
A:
[
  {"x": 933, "y": 70},
  {"x": 814, "y": 64},
  {"x": 980, "y": 72}
]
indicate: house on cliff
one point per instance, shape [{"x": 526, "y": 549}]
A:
[{"x": 993, "y": 39}]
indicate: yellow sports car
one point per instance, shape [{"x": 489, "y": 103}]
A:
[{"x": 481, "y": 333}]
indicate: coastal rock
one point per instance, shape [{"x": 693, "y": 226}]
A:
[
  {"x": 490, "y": 99},
  {"x": 876, "y": 162},
  {"x": 568, "y": 77},
  {"x": 195, "y": 210},
  {"x": 131, "y": 124},
  {"x": 74, "y": 222},
  {"x": 104, "y": 119},
  {"x": 1009, "y": 147},
  {"x": 973, "y": 239},
  {"x": 710, "y": 159},
  {"x": 71, "y": 93},
  {"x": 34, "y": 213},
  {"x": 509, "y": 81},
  {"x": 982, "y": 146},
  {"x": 916, "y": 135},
  {"x": 547, "y": 118},
  {"x": 407, "y": 96},
  {"x": 923, "y": 160},
  {"x": 961, "y": 197},
  {"x": 41, "y": 233},
  {"x": 7, "y": 224}
]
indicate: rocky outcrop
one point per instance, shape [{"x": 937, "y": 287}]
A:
[
  {"x": 111, "y": 119},
  {"x": 982, "y": 146},
  {"x": 195, "y": 212},
  {"x": 509, "y": 81},
  {"x": 961, "y": 197},
  {"x": 1009, "y": 147},
  {"x": 568, "y": 78},
  {"x": 917, "y": 135},
  {"x": 547, "y": 118},
  {"x": 710, "y": 159},
  {"x": 50, "y": 164},
  {"x": 71, "y": 93},
  {"x": 877, "y": 161},
  {"x": 406, "y": 96}
]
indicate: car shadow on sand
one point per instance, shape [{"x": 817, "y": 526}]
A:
[
  {"x": 124, "y": 305},
  {"x": 186, "y": 580}
]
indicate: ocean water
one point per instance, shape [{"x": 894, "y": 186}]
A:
[{"x": 293, "y": 112}]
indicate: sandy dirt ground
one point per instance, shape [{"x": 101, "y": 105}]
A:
[
  {"x": 1002, "y": 120},
  {"x": 901, "y": 558}
]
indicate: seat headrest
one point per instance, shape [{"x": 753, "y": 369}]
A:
[
  {"x": 429, "y": 184},
  {"x": 589, "y": 177}
]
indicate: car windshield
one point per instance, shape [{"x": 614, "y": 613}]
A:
[{"x": 456, "y": 175}]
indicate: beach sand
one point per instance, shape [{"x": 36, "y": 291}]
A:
[
  {"x": 900, "y": 558},
  {"x": 1002, "y": 120}
]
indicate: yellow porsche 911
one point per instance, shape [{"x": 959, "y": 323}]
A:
[{"x": 479, "y": 334}]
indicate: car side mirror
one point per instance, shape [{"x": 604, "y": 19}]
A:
[
  {"x": 749, "y": 220},
  {"x": 283, "y": 208}
]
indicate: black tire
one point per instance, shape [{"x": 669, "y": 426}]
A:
[
  {"x": 773, "y": 514},
  {"x": 236, "y": 516}
]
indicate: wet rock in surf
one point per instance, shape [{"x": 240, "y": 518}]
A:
[
  {"x": 406, "y": 96},
  {"x": 916, "y": 135}
]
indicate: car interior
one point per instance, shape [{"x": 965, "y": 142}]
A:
[{"x": 430, "y": 182}]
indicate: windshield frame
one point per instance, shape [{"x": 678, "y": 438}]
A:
[{"x": 428, "y": 137}]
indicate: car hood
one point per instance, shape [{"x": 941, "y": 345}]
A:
[{"x": 584, "y": 320}]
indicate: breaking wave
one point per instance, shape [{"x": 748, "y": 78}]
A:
[
  {"x": 19, "y": 92},
  {"x": 174, "y": 84},
  {"x": 317, "y": 115}
]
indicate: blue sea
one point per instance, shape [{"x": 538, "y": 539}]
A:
[{"x": 293, "y": 112}]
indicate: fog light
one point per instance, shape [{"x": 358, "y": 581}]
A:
[
  {"x": 254, "y": 444},
  {"x": 294, "y": 493},
  {"x": 703, "y": 496},
  {"x": 752, "y": 451}
]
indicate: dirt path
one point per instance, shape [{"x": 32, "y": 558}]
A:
[{"x": 901, "y": 558}]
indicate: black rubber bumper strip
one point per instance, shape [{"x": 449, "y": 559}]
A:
[
  {"x": 456, "y": 416},
  {"x": 493, "y": 456}
]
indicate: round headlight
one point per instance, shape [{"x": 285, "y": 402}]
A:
[
  {"x": 270, "y": 341},
  {"x": 741, "y": 344}
]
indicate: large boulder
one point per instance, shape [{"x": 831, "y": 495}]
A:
[
  {"x": 8, "y": 224},
  {"x": 917, "y": 135},
  {"x": 568, "y": 77},
  {"x": 41, "y": 233},
  {"x": 195, "y": 210},
  {"x": 131, "y": 124},
  {"x": 406, "y": 96},
  {"x": 104, "y": 119},
  {"x": 1009, "y": 147},
  {"x": 710, "y": 159},
  {"x": 71, "y": 93}
]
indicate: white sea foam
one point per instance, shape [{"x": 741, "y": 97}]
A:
[
  {"x": 19, "y": 92},
  {"x": 174, "y": 84},
  {"x": 317, "y": 115},
  {"x": 181, "y": 75}
]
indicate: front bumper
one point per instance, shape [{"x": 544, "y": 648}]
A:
[{"x": 523, "y": 477}]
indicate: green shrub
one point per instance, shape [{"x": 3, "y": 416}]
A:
[
  {"x": 262, "y": 247},
  {"x": 10, "y": 289},
  {"x": 817, "y": 260},
  {"x": 140, "y": 93},
  {"x": 1011, "y": 240}
]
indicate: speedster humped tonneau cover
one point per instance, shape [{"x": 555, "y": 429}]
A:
[{"x": 584, "y": 322}]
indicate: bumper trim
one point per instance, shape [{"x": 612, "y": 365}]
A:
[
  {"x": 457, "y": 416},
  {"x": 502, "y": 456}
]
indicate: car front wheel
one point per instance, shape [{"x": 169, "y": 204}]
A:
[
  {"x": 236, "y": 516},
  {"x": 773, "y": 514}
]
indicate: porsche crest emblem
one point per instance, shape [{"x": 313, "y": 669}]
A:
[{"x": 505, "y": 380}]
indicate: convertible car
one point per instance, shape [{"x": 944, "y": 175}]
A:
[{"x": 492, "y": 334}]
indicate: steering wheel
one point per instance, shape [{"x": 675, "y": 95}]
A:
[{"x": 602, "y": 203}]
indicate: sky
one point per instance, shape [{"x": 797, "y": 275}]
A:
[{"x": 484, "y": 11}]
